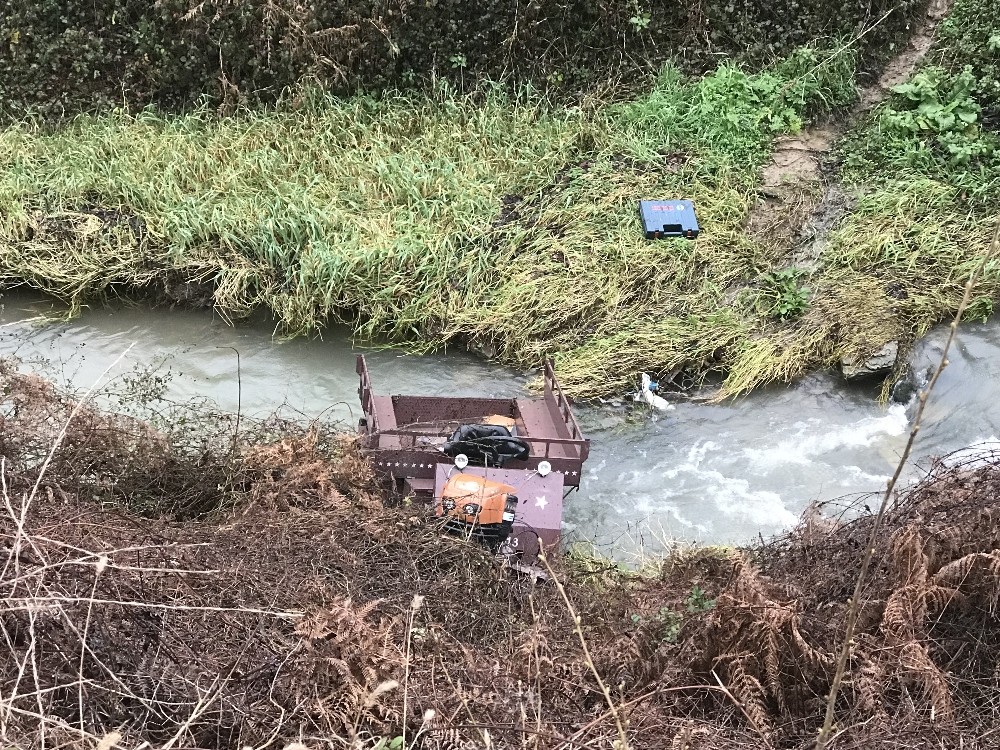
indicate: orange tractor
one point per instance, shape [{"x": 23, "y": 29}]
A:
[
  {"x": 478, "y": 507},
  {"x": 495, "y": 469}
]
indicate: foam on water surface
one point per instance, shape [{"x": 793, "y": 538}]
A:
[{"x": 716, "y": 473}]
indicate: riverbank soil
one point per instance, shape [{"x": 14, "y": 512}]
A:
[{"x": 167, "y": 586}]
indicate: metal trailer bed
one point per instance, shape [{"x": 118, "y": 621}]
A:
[{"x": 403, "y": 434}]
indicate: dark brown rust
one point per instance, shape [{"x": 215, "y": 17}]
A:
[{"x": 402, "y": 434}]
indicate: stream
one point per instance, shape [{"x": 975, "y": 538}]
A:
[{"x": 708, "y": 473}]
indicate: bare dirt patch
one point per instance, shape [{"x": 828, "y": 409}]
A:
[
  {"x": 800, "y": 201},
  {"x": 792, "y": 187}
]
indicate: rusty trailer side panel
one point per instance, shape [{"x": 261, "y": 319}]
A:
[{"x": 403, "y": 434}]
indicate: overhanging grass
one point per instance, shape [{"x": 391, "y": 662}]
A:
[
  {"x": 506, "y": 222},
  {"x": 360, "y": 204}
]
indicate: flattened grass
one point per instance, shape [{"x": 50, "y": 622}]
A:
[
  {"x": 505, "y": 223},
  {"x": 359, "y": 205}
]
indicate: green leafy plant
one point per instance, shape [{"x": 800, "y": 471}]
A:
[
  {"x": 668, "y": 625},
  {"x": 936, "y": 105},
  {"x": 640, "y": 21},
  {"x": 968, "y": 38},
  {"x": 698, "y": 601},
  {"x": 665, "y": 626},
  {"x": 782, "y": 295}
]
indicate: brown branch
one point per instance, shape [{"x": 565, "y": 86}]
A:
[
  {"x": 854, "y": 604},
  {"x": 622, "y": 742}
]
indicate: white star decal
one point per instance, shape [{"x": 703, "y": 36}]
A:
[{"x": 541, "y": 502}]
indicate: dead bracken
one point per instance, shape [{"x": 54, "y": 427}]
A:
[{"x": 260, "y": 592}]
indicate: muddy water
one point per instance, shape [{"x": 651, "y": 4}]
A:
[{"x": 708, "y": 473}]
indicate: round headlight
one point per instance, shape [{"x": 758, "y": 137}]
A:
[
  {"x": 461, "y": 461},
  {"x": 544, "y": 467}
]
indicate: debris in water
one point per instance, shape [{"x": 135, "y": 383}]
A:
[{"x": 647, "y": 393}]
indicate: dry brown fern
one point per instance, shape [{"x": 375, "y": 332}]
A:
[
  {"x": 353, "y": 653},
  {"x": 921, "y": 669},
  {"x": 938, "y": 598},
  {"x": 750, "y": 693},
  {"x": 762, "y": 643},
  {"x": 908, "y": 558},
  {"x": 869, "y": 681},
  {"x": 904, "y": 614},
  {"x": 972, "y": 569}
]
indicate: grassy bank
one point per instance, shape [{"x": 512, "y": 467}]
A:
[
  {"x": 509, "y": 225},
  {"x": 207, "y": 588},
  {"x": 926, "y": 167},
  {"x": 506, "y": 223}
]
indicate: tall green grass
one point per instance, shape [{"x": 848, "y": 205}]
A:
[
  {"x": 505, "y": 222},
  {"x": 927, "y": 166},
  {"x": 337, "y": 205}
]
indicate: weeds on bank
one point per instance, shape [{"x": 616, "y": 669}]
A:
[
  {"x": 665, "y": 625},
  {"x": 295, "y": 620},
  {"x": 970, "y": 36},
  {"x": 505, "y": 223},
  {"x": 508, "y": 225},
  {"x": 926, "y": 168},
  {"x": 782, "y": 295}
]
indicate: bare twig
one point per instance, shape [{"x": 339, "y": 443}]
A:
[
  {"x": 98, "y": 569},
  {"x": 34, "y": 603},
  {"x": 418, "y": 600},
  {"x": 854, "y": 604},
  {"x": 239, "y": 395},
  {"x": 728, "y": 693},
  {"x": 622, "y": 742}
]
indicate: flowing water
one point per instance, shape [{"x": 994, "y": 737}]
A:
[{"x": 712, "y": 473}]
